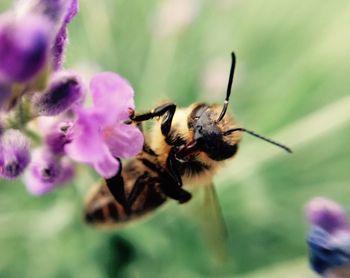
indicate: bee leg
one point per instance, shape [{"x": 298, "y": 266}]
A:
[
  {"x": 175, "y": 189},
  {"x": 170, "y": 184},
  {"x": 115, "y": 185},
  {"x": 172, "y": 167},
  {"x": 167, "y": 109},
  {"x": 137, "y": 189},
  {"x": 176, "y": 193}
]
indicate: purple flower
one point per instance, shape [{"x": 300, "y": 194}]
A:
[
  {"x": 99, "y": 135},
  {"x": 24, "y": 46},
  {"x": 5, "y": 93},
  {"x": 326, "y": 214},
  {"x": 62, "y": 36},
  {"x": 14, "y": 154},
  {"x": 58, "y": 137},
  {"x": 329, "y": 236},
  {"x": 46, "y": 172},
  {"x": 59, "y": 13},
  {"x": 64, "y": 91},
  {"x": 53, "y": 10}
]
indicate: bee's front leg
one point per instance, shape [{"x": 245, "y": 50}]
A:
[{"x": 167, "y": 110}]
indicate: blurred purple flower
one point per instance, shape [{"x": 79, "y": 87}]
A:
[
  {"x": 58, "y": 136},
  {"x": 64, "y": 91},
  {"x": 14, "y": 154},
  {"x": 53, "y": 9},
  {"x": 62, "y": 36},
  {"x": 5, "y": 93},
  {"x": 24, "y": 47},
  {"x": 329, "y": 236},
  {"x": 99, "y": 135},
  {"x": 46, "y": 172},
  {"x": 326, "y": 214}
]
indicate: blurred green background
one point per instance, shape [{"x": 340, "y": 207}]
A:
[{"x": 292, "y": 83}]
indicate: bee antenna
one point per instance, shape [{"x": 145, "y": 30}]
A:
[
  {"x": 229, "y": 87},
  {"x": 258, "y": 136}
]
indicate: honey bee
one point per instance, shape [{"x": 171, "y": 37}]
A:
[{"x": 185, "y": 146}]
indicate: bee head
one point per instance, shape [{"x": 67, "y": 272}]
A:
[
  {"x": 209, "y": 134},
  {"x": 216, "y": 133}
]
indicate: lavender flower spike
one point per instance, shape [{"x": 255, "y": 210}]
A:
[
  {"x": 99, "y": 135},
  {"x": 64, "y": 91},
  {"x": 46, "y": 172},
  {"x": 328, "y": 239},
  {"x": 24, "y": 46},
  {"x": 14, "y": 154}
]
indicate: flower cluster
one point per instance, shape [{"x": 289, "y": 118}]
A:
[
  {"x": 329, "y": 238},
  {"x": 44, "y": 125}
]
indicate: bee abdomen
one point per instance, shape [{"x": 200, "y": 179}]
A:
[
  {"x": 103, "y": 215},
  {"x": 102, "y": 208}
]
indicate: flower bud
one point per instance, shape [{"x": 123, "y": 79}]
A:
[
  {"x": 24, "y": 46},
  {"x": 62, "y": 36},
  {"x": 14, "y": 154},
  {"x": 64, "y": 90},
  {"x": 53, "y": 10}
]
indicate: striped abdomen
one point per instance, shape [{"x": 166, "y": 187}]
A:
[{"x": 136, "y": 191}]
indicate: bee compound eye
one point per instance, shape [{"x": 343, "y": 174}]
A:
[{"x": 222, "y": 151}]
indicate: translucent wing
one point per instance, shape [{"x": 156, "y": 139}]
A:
[{"x": 205, "y": 210}]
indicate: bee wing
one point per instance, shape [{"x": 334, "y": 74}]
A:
[{"x": 207, "y": 213}]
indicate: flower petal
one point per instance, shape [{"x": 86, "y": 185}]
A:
[
  {"x": 87, "y": 145},
  {"x": 42, "y": 172},
  {"x": 113, "y": 96},
  {"x": 324, "y": 255},
  {"x": 14, "y": 153},
  {"x": 107, "y": 166},
  {"x": 123, "y": 140},
  {"x": 67, "y": 172},
  {"x": 326, "y": 214},
  {"x": 58, "y": 136},
  {"x": 46, "y": 172}
]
